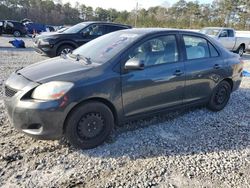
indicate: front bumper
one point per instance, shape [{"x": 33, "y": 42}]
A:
[
  {"x": 48, "y": 50},
  {"x": 39, "y": 119}
]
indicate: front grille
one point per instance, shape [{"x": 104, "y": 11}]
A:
[{"x": 9, "y": 92}]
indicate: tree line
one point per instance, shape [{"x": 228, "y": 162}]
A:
[{"x": 183, "y": 14}]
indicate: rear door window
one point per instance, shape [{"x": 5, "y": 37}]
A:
[{"x": 196, "y": 47}]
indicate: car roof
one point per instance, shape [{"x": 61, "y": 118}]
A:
[
  {"x": 13, "y": 21},
  {"x": 110, "y": 23},
  {"x": 217, "y": 28},
  {"x": 145, "y": 31}
]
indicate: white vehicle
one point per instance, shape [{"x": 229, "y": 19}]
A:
[{"x": 227, "y": 37}]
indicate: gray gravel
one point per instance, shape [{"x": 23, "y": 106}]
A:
[{"x": 189, "y": 148}]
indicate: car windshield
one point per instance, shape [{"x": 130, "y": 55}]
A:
[
  {"x": 76, "y": 28},
  {"x": 106, "y": 47},
  {"x": 212, "y": 32},
  {"x": 62, "y": 30}
]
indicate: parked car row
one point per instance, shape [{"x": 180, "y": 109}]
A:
[
  {"x": 116, "y": 77},
  {"x": 13, "y": 28},
  {"x": 19, "y": 29}
]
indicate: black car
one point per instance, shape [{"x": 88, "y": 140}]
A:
[
  {"x": 13, "y": 28},
  {"x": 55, "y": 44},
  {"x": 120, "y": 76}
]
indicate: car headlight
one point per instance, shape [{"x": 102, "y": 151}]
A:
[{"x": 51, "y": 90}]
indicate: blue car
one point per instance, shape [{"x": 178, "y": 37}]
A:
[{"x": 35, "y": 27}]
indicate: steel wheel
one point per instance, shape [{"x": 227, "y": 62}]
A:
[
  {"x": 220, "y": 96},
  {"x": 90, "y": 125}
]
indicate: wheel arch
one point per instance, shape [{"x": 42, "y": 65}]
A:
[
  {"x": 244, "y": 45},
  {"x": 18, "y": 30},
  {"x": 95, "y": 99}
]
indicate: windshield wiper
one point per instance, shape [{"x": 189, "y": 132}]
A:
[
  {"x": 79, "y": 57},
  {"x": 87, "y": 60}
]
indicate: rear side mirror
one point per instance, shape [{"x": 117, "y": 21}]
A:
[{"x": 134, "y": 64}]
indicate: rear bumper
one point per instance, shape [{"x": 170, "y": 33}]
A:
[{"x": 237, "y": 81}]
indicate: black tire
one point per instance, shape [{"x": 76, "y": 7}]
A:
[
  {"x": 240, "y": 50},
  {"x": 220, "y": 96},
  {"x": 64, "y": 49},
  {"x": 94, "y": 116},
  {"x": 17, "y": 33}
]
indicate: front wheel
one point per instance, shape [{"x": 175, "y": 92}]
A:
[
  {"x": 65, "y": 49},
  {"x": 220, "y": 96},
  {"x": 17, "y": 34},
  {"x": 89, "y": 125}
]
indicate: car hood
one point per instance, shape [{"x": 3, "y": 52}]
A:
[
  {"x": 54, "y": 35},
  {"x": 55, "y": 69},
  {"x": 48, "y": 33}
]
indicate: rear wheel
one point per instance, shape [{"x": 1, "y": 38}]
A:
[
  {"x": 65, "y": 49},
  {"x": 241, "y": 50},
  {"x": 89, "y": 125},
  {"x": 17, "y": 33},
  {"x": 220, "y": 96}
]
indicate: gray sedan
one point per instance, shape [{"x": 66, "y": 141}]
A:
[{"x": 118, "y": 77}]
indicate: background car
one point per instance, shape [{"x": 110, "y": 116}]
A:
[
  {"x": 227, "y": 37},
  {"x": 55, "y": 44},
  {"x": 13, "y": 28},
  {"x": 37, "y": 28}
]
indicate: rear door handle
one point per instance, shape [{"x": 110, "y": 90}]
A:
[
  {"x": 178, "y": 73},
  {"x": 217, "y": 66}
]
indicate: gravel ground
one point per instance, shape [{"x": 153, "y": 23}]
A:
[{"x": 189, "y": 148}]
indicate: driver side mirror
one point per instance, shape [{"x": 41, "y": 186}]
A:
[{"x": 134, "y": 64}]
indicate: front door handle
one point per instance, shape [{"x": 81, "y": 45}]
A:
[
  {"x": 217, "y": 66},
  {"x": 178, "y": 73}
]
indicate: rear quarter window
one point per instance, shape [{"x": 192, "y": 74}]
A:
[
  {"x": 115, "y": 28},
  {"x": 213, "y": 51}
]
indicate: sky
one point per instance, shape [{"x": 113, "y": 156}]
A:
[{"x": 127, "y": 4}]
